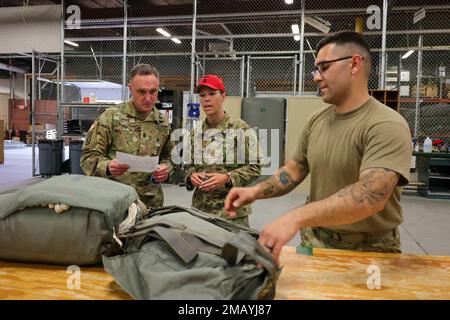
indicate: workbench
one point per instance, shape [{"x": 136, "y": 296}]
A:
[
  {"x": 434, "y": 172},
  {"x": 328, "y": 274}
]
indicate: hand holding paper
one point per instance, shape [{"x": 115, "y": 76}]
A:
[
  {"x": 138, "y": 163},
  {"x": 162, "y": 173}
]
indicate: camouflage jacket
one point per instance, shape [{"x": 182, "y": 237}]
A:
[
  {"x": 122, "y": 128},
  {"x": 221, "y": 154}
]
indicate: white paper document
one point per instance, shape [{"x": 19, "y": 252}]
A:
[{"x": 138, "y": 163}]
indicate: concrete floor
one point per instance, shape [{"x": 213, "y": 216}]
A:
[{"x": 426, "y": 229}]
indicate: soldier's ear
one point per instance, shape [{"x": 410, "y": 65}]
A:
[{"x": 129, "y": 85}]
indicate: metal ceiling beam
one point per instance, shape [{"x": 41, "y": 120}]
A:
[
  {"x": 239, "y": 53},
  {"x": 337, "y": 11},
  {"x": 12, "y": 68},
  {"x": 260, "y": 35}
]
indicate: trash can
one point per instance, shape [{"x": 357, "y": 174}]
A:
[
  {"x": 50, "y": 157},
  {"x": 75, "y": 149}
]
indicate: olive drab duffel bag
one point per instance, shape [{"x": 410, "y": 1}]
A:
[
  {"x": 180, "y": 253},
  {"x": 68, "y": 219}
]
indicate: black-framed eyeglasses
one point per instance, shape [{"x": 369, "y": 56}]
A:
[{"x": 320, "y": 67}]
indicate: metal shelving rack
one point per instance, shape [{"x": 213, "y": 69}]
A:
[{"x": 95, "y": 109}]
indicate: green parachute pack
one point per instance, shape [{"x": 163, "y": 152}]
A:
[{"x": 183, "y": 253}]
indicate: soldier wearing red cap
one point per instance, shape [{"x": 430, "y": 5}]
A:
[{"x": 215, "y": 174}]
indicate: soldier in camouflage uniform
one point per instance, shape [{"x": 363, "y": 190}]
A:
[
  {"x": 218, "y": 165},
  {"x": 135, "y": 127}
]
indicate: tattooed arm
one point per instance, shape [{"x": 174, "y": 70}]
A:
[
  {"x": 351, "y": 204},
  {"x": 283, "y": 181}
]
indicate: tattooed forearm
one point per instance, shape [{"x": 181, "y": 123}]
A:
[
  {"x": 284, "y": 177},
  {"x": 282, "y": 182},
  {"x": 268, "y": 190},
  {"x": 374, "y": 187},
  {"x": 354, "y": 203}
]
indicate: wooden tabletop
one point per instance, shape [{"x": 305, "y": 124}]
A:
[
  {"x": 340, "y": 274},
  {"x": 328, "y": 274}
]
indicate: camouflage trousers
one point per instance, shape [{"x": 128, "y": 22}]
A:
[
  {"x": 206, "y": 207},
  {"x": 153, "y": 201},
  {"x": 242, "y": 220},
  {"x": 317, "y": 237}
]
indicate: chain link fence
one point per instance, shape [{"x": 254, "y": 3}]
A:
[
  {"x": 252, "y": 45},
  {"x": 421, "y": 76}
]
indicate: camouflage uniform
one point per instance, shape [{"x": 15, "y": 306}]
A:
[
  {"x": 387, "y": 241},
  {"x": 241, "y": 173},
  {"x": 122, "y": 128}
]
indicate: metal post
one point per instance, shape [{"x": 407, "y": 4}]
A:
[
  {"x": 59, "y": 113},
  {"x": 61, "y": 98},
  {"x": 382, "y": 84},
  {"x": 242, "y": 80},
  {"x": 419, "y": 80},
  {"x": 399, "y": 72},
  {"x": 11, "y": 84},
  {"x": 247, "y": 93},
  {"x": 124, "y": 58},
  {"x": 39, "y": 75},
  {"x": 295, "y": 74},
  {"x": 33, "y": 108},
  {"x": 193, "y": 62},
  {"x": 301, "y": 63},
  {"x": 197, "y": 67}
]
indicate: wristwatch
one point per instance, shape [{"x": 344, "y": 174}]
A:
[{"x": 229, "y": 183}]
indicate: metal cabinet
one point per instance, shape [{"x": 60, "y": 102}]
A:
[
  {"x": 269, "y": 114},
  {"x": 434, "y": 171}
]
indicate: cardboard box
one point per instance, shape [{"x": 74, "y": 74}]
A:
[
  {"x": 37, "y": 127},
  {"x": 2, "y": 144},
  {"x": 432, "y": 91},
  {"x": 427, "y": 91},
  {"x": 50, "y": 126}
]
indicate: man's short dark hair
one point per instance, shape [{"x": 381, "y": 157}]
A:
[
  {"x": 342, "y": 38},
  {"x": 144, "y": 69}
]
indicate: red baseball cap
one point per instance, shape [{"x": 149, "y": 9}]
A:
[{"x": 211, "y": 81}]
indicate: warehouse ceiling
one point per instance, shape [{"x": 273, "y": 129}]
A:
[{"x": 225, "y": 20}]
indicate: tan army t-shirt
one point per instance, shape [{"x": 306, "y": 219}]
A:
[{"x": 336, "y": 147}]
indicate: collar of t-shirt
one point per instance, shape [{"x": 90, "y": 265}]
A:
[{"x": 353, "y": 113}]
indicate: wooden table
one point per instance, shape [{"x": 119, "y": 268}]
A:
[
  {"x": 328, "y": 274},
  {"x": 340, "y": 274}
]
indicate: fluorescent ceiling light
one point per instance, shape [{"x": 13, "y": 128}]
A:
[
  {"x": 71, "y": 43},
  {"x": 176, "y": 40},
  {"x": 406, "y": 55},
  {"x": 289, "y": 1},
  {"x": 163, "y": 32},
  {"x": 296, "y": 32}
]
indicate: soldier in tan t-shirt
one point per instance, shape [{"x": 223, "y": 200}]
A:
[{"x": 357, "y": 152}]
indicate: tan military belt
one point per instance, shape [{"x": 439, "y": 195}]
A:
[{"x": 324, "y": 234}]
